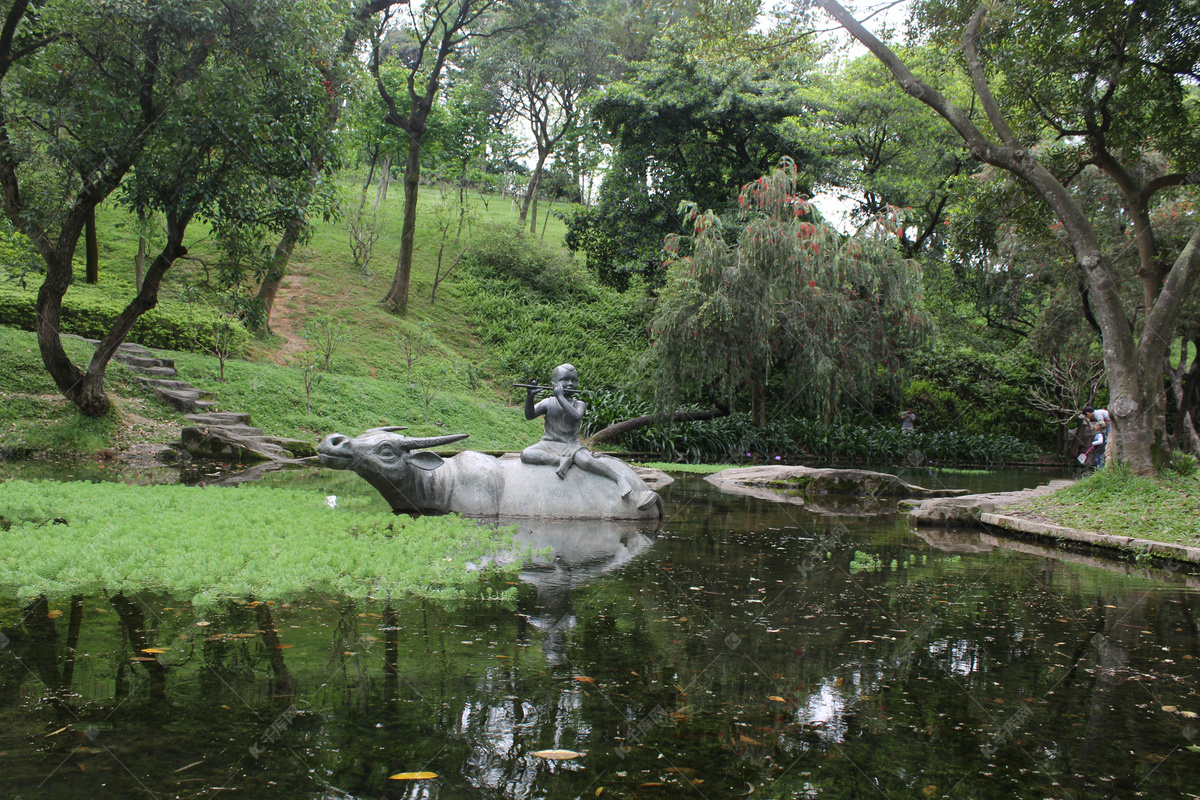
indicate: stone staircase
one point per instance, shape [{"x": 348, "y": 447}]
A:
[
  {"x": 210, "y": 434},
  {"x": 159, "y": 376}
]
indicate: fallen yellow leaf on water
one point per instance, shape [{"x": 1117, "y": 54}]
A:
[
  {"x": 143, "y": 658},
  {"x": 584, "y": 679},
  {"x": 203, "y": 624},
  {"x": 413, "y": 776},
  {"x": 680, "y": 770},
  {"x": 153, "y": 650},
  {"x": 777, "y": 698},
  {"x": 498, "y": 655},
  {"x": 1188, "y": 714},
  {"x": 54, "y": 614},
  {"x": 557, "y": 755},
  {"x": 1169, "y": 709},
  {"x": 746, "y": 739},
  {"x": 283, "y": 646},
  {"x": 600, "y": 791}
]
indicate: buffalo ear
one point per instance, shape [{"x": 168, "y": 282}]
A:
[{"x": 424, "y": 460}]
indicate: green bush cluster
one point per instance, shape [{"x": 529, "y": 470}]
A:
[
  {"x": 978, "y": 393},
  {"x": 738, "y": 438},
  {"x": 90, "y": 312},
  {"x": 504, "y": 254},
  {"x": 534, "y": 309}
]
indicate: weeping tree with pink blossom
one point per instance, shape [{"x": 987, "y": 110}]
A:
[{"x": 775, "y": 306}]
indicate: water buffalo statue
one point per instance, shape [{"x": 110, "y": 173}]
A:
[{"x": 476, "y": 484}]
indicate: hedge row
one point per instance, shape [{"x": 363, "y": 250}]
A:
[{"x": 90, "y": 314}]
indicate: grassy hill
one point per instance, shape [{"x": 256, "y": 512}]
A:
[{"x": 457, "y": 384}]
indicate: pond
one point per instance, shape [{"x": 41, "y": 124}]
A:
[{"x": 744, "y": 649}]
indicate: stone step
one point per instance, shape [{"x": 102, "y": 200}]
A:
[
  {"x": 142, "y": 361},
  {"x": 223, "y": 444},
  {"x": 245, "y": 431},
  {"x": 154, "y": 372},
  {"x": 182, "y": 399},
  {"x": 219, "y": 418},
  {"x": 166, "y": 383},
  {"x": 135, "y": 350},
  {"x": 299, "y": 448}
]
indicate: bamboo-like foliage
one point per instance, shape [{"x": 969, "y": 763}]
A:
[{"x": 779, "y": 300}]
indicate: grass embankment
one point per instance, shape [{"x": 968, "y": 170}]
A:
[
  {"x": 452, "y": 386},
  {"x": 208, "y": 544},
  {"x": 1115, "y": 501},
  {"x": 699, "y": 469}
]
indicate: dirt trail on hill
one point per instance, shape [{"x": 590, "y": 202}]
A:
[{"x": 287, "y": 318}]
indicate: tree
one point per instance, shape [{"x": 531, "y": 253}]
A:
[
  {"x": 878, "y": 147},
  {"x": 790, "y": 299},
  {"x": 1085, "y": 84},
  {"x": 138, "y": 96},
  {"x": 418, "y": 55},
  {"x": 696, "y": 119},
  {"x": 543, "y": 74},
  {"x": 336, "y": 75}
]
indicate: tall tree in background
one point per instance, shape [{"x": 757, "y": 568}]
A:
[
  {"x": 408, "y": 77},
  {"x": 335, "y": 64},
  {"x": 543, "y": 73},
  {"x": 708, "y": 110},
  {"x": 1064, "y": 86}
]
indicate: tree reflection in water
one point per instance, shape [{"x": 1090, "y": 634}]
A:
[{"x": 735, "y": 646}]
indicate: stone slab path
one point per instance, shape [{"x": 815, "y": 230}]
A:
[{"x": 215, "y": 435}]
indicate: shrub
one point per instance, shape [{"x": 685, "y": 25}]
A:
[
  {"x": 978, "y": 393},
  {"x": 503, "y": 254},
  {"x": 737, "y": 438},
  {"x": 90, "y": 313}
]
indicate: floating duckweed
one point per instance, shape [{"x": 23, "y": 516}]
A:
[{"x": 64, "y": 538}]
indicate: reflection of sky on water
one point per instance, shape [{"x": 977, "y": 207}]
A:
[{"x": 825, "y": 710}]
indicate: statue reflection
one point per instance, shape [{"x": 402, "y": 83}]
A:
[
  {"x": 501, "y": 721},
  {"x": 568, "y": 554}
]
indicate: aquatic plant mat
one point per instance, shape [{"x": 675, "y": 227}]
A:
[{"x": 211, "y": 543}]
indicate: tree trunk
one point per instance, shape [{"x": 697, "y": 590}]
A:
[
  {"x": 371, "y": 170},
  {"x": 275, "y": 275},
  {"x": 617, "y": 428},
  {"x": 397, "y": 297},
  {"x": 535, "y": 181},
  {"x": 139, "y": 261},
  {"x": 86, "y": 389},
  {"x": 546, "y": 220},
  {"x": 385, "y": 177},
  {"x": 92, "y": 248}
]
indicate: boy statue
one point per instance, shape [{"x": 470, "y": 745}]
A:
[{"x": 559, "y": 446}]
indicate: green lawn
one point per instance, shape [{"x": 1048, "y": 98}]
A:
[{"x": 1114, "y": 501}]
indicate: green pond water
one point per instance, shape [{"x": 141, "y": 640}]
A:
[{"x": 737, "y": 651}]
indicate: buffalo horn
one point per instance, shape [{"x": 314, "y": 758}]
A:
[{"x": 411, "y": 443}]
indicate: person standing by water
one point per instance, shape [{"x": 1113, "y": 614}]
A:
[
  {"x": 907, "y": 419},
  {"x": 1099, "y": 416}
]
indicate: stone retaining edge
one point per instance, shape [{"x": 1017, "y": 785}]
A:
[{"x": 1178, "y": 552}]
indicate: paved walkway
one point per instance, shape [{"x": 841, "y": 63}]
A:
[{"x": 989, "y": 511}]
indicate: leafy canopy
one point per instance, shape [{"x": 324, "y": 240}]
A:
[{"x": 790, "y": 297}]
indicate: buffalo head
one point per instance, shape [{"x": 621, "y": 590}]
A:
[{"x": 382, "y": 452}]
